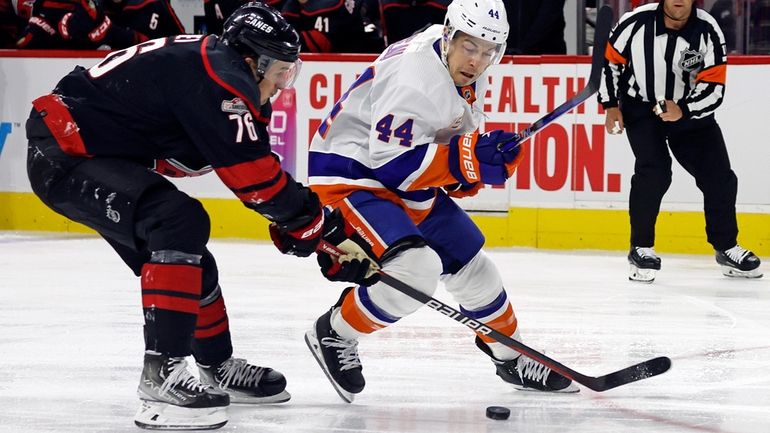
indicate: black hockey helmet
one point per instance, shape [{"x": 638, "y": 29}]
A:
[{"x": 256, "y": 29}]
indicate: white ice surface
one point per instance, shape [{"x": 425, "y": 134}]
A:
[{"x": 71, "y": 345}]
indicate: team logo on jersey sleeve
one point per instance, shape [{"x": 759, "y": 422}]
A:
[
  {"x": 690, "y": 60},
  {"x": 235, "y": 105},
  {"x": 468, "y": 93}
]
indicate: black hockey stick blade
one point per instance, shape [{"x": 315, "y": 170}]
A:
[
  {"x": 604, "y": 21},
  {"x": 643, "y": 370}
]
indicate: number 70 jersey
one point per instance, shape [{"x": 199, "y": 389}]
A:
[{"x": 388, "y": 132}]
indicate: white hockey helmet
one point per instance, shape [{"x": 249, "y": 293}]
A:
[{"x": 484, "y": 19}]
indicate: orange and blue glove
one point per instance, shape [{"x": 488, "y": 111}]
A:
[{"x": 489, "y": 158}]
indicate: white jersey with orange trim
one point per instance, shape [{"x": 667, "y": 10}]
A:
[{"x": 388, "y": 132}]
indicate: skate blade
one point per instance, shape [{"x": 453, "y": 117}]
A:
[
  {"x": 310, "y": 340},
  {"x": 242, "y": 398},
  {"x": 154, "y": 415},
  {"x": 641, "y": 275},
  {"x": 729, "y": 271},
  {"x": 571, "y": 389}
]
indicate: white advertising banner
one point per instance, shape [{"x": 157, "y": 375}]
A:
[{"x": 572, "y": 163}]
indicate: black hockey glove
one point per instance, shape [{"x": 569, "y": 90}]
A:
[
  {"x": 300, "y": 236},
  {"x": 353, "y": 271},
  {"x": 86, "y": 22},
  {"x": 346, "y": 256}
]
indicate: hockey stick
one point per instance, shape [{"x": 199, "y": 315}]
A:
[
  {"x": 643, "y": 370},
  {"x": 601, "y": 35}
]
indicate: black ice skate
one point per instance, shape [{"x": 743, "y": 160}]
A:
[
  {"x": 643, "y": 264},
  {"x": 245, "y": 383},
  {"x": 526, "y": 374},
  {"x": 338, "y": 357},
  {"x": 739, "y": 262},
  {"x": 173, "y": 399}
]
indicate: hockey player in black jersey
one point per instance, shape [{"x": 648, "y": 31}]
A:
[
  {"x": 331, "y": 26},
  {"x": 91, "y": 24},
  {"x": 180, "y": 106},
  {"x": 215, "y": 12},
  {"x": 151, "y": 18},
  {"x": 403, "y": 18}
]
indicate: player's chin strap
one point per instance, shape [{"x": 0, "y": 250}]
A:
[{"x": 643, "y": 370}]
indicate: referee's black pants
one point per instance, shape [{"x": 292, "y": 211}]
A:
[{"x": 699, "y": 148}]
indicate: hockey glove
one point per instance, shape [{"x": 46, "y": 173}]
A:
[
  {"x": 300, "y": 236},
  {"x": 488, "y": 158},
  {"x": 345, "y": 255},
  {"x": 87, "y": 22},
  {"x": 37, "y": 33}
]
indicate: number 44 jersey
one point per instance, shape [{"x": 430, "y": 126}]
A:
[{"x": 388, "y": 132}]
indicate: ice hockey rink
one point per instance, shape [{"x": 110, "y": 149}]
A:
[{"x": 71, "y": 345}]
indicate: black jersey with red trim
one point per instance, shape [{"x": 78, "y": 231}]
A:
[
  {"x": 217, "y": 11},
  {"x": 337, "y": 26},
  {"x": 152, "y": 18},
  {"x": 186, "y": 99},
  {"x": 403, "y": 18},
  {"x": 11, "y": 24},
  {"x": 42, "y": 30},
  {"x": 128, "y": 23}
]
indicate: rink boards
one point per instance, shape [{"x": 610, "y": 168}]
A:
[{"x": 569, "y": 193}]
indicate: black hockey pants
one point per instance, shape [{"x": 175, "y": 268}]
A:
[
  {"x": 700, "y": 149},
  {"x": 137, "y": 212}
]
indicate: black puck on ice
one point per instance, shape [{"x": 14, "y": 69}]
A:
[{"x": 498, "y": 412}]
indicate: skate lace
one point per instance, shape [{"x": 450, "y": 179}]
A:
[
  {"x": 347, "y": 351},
  {"x": 179, "y": 376},
  {"x": 533, "y": 370},
  {"x": 237, "y": 371},
  {"x": 645, "y": 252},
  {"x": 737, "y": 253}
]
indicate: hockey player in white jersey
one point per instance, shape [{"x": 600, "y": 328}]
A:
[{"x": 394, "y": 148}]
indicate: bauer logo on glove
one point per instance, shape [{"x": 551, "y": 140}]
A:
[{"x": 489, "y": 158}]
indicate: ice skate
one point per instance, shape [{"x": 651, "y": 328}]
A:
[
  {"x": 244, "y": 382},
  {"x": 337, "y": 356},
  {"x": 644, "y": 263},
  {"x": 173, "y": 399},
  {"x": 526, "y": 374},
  {"x": 739, "y": 262}
]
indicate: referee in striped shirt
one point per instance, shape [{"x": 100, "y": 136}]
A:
[{"x": 663, "y": 78}]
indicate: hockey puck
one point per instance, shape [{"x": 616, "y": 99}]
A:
[{"x": 498, "y": 412}]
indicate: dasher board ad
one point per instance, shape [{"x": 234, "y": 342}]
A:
[{"x": 572, "y": 163}]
